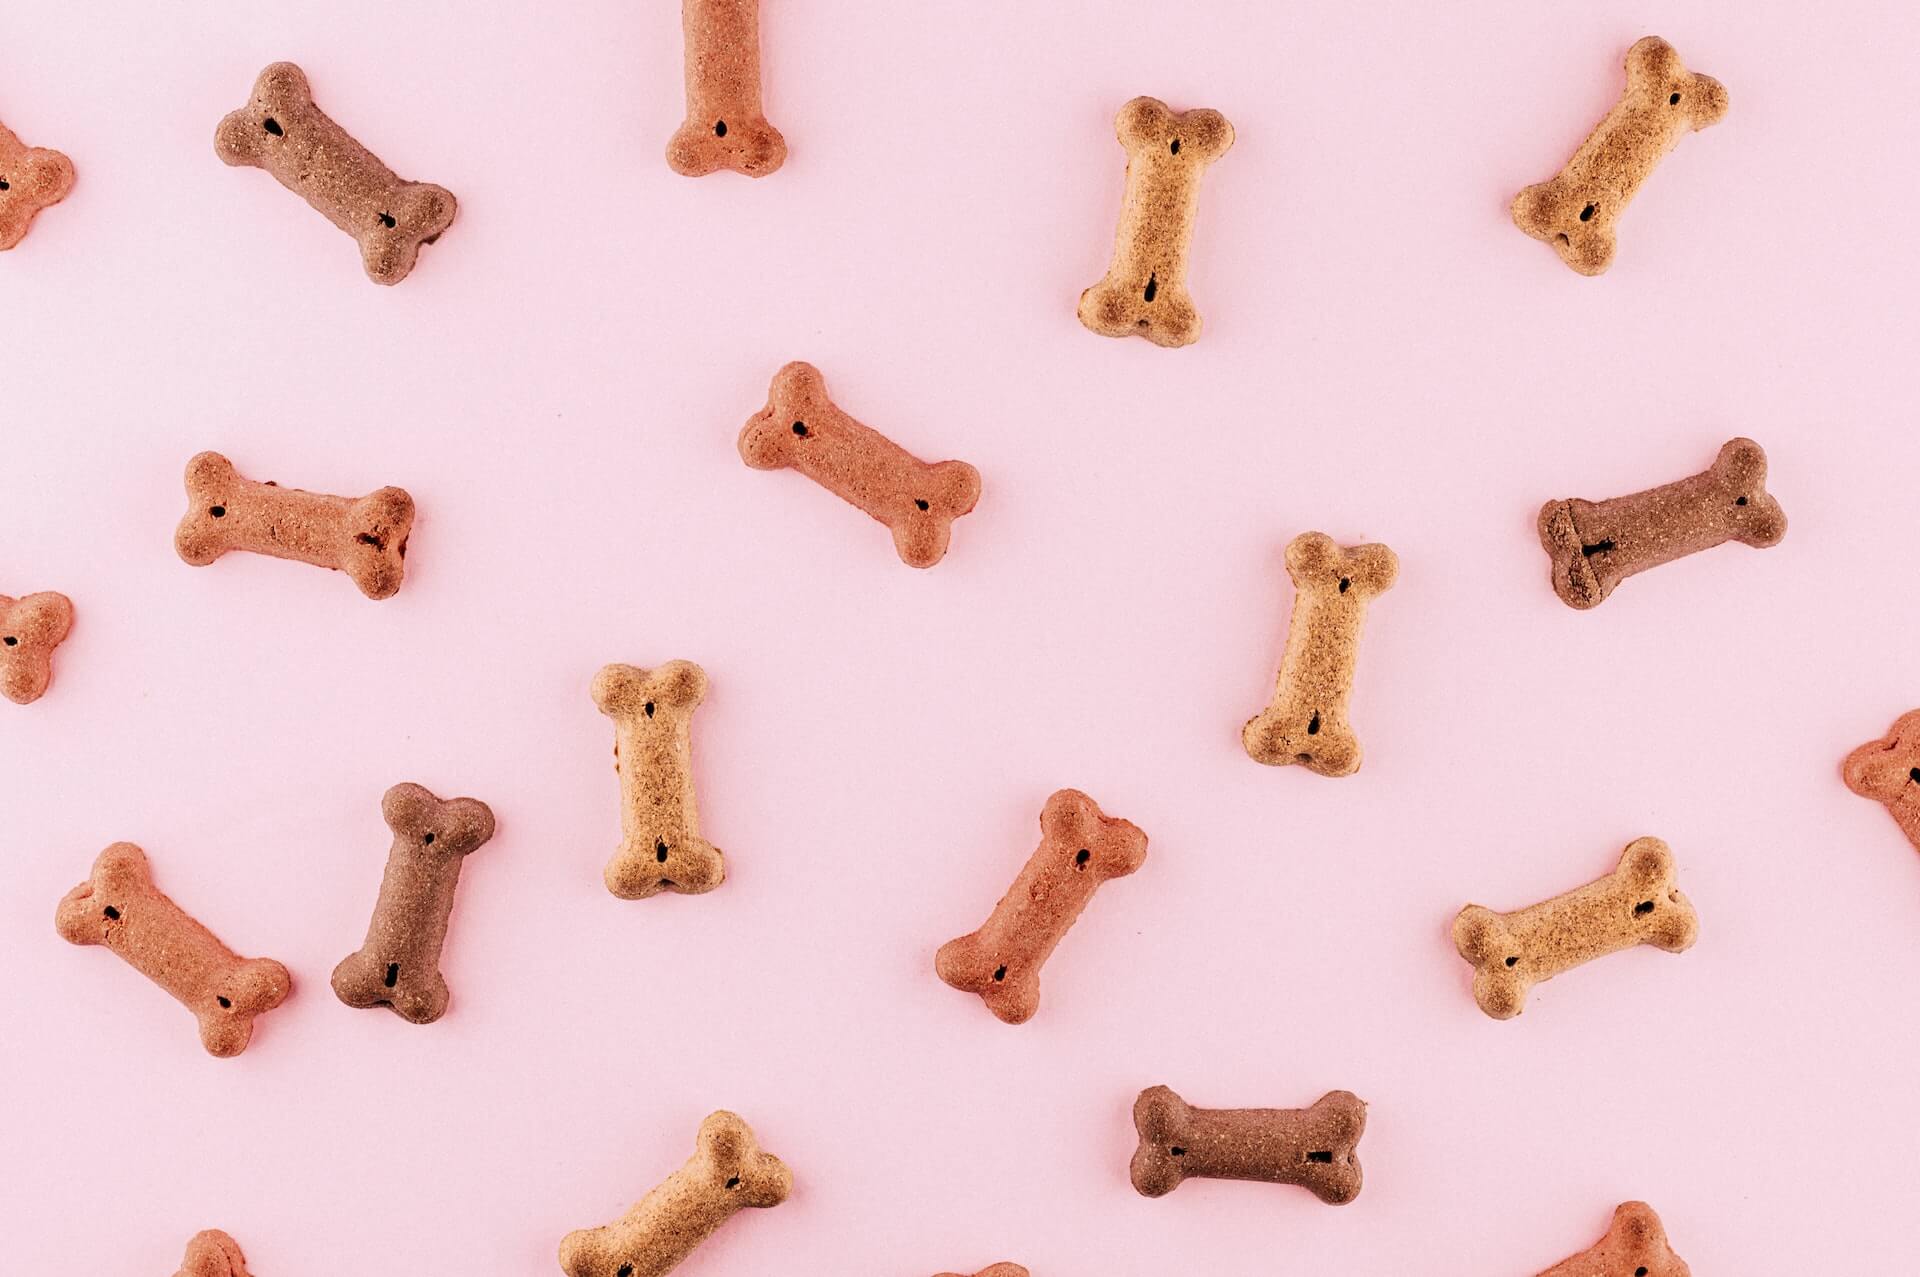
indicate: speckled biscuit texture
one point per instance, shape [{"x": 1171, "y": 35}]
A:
[
  {"x": 1888, "y": 771},
  {"x": 1635, "y": 1246},
  {"x": 399, "y": 965},
  {"x": 213, "y": 1254},
  {"x": 660, "y": 845},
  {"x": 1311, "y": 1147},
  {"x": 801, "y": 428},
  {"x": 726, "y": 125},
  {"x": 1576, "y": 210},
  {"x": 31, "y": 178},
  {"x": 118, "y": 906},
  {"x": 30, "y": 628},
  {"x": 282, "y": 131},
  {"x": 1306, "y": 722},
  {"x": 1594, "y": 545},
  {"x": 1638, "y": 903},
  {"x": 1080, "y": 848},
  {"x": 1145, "y": 292},
  {"x": 726, "y": 1173},
  {"x": 995, "y": 1270}
]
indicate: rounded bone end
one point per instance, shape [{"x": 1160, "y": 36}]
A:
[
  {"x": 749, "y": 145},
  {"x": 213, "y": 1253}
]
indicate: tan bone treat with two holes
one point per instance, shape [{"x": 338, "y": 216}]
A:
[
  {"x": 726, "y": 126},
  {"x": 1888, "y": 771},
  {"x": 213, "y": 1254},
  {"x": 30, "y": 628},
  {"x": 31, "y": 178},
  {"x": 1311, "y": 1147},
  {"x": 660, "y": 847},
  {"x": 1635, "y": 1246}
]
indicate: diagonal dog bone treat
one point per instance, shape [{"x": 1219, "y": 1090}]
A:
[
  {"x": 660, "y": 847},
  {"x": 726, "y": 1172},
  {"x": 1594, "y": 545},
  {"x": 1145, "y": 293},
  {"x": 283, "y": 132},
  {"x": 1888, "y": 771},
  {"x": 1080, "y": 848},
  {"x": 1306, "y": 722},
  {"x": 118, "y": 906},
  {"x": 31, "y": 178},
  {"x": 726, "y": 126},
  {"x": 995, "y": 1270},
  {"x": 802, "y": 428},
  {"x": 1575, "y": 211},
  {"x": 399, "y": 965},
  {"x": 30, "y": 628},
  {"x": 1638, "y": 903},
  {"x": 213, "y": 1254},
  {"x": 1635, "y": 1246},
  {"x": 1310, "y": 1147}
]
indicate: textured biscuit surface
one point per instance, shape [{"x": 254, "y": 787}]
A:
[
  {"x": 1888, "y": 771},
  {"x": 660, "y": 846},
  {"x": 1635, "y": 1246},
  {"x": 726, "y": 125},
  {"x": 1311, "y": 1147},
  {"x": 213, "y": 1254},
  {"x": 30, "y": 628},
  {"x": 31, "y": 178},
  {"x": 995, "y": 1270}
]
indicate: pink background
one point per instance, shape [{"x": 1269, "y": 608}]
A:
[{"x": 559, "y": 385}]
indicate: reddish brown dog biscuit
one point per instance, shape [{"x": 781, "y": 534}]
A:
[
  {"x": 1594, "y": 545},
  {"x": 213, "y": 1254},
  {"x": 118, "y": 906},
  {"x": 1635, "y": 1246},
  {"x": 1888, "y": 771},
  {"x": 399, "y": 965},
  {"x": 283, "y": 132},
  {"x": 800, "y": 427},
  {"x": 995, "y": 1270},
  {"x": 366, "y": 537},
  {"x": 660, "y": 848},
  {"x": 31, "y": 178},
  {"x": 726, "y": 126},
  {"x": 1310, "y": 1147},
  {"x": 30, "y": 628},
  {"x": 1080, "y": 848}
]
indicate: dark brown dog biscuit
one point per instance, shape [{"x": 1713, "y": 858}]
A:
[
  {"x": 1888, "y": 771},
  {"x": 726, "y": 126},
  {"x": 118, "y": 906},
  {"x": 1594, "y": 545},
  {"x": 399, "y": 965},
  {"x": 1576, "y": 210},
  {"x": 1635, "y": 1246},
  {"x": 365, "y": 537},
  {"x": 31, "y": 178},
  {"x": 283, "y": 132},
  {"x": 30, "y": 628},
  {"x": 660, "y": 847},
  {"x": 995, "y": 1270},
  {"x": 802, "y": 428},
  {"x": 1310, "y": 1147},
  {"x": 213, "y": 1254},
  {"x": 1080, "y": 848}
]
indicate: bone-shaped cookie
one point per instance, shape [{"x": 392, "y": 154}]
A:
[
  {"x": 1635, "y": 1246},
  {"x": 1638, "y": 903},
  {"x": 31, "y": 178},
  {"x": 283, "y": 132},
  {"x": 1311, "y": 1147},
  {"x": 213, "y": 1254},
  {"x": 1575, "y": 211},
  {"x": 660, "y": 847},
  {"x": 1594, "y": 545},
  {"x": 365, "y": 537},
  {"x": 726, "y": 126},
  {"x": 1306, "y": 722},
  {"x": 118, "y": 906},
  {"x": 30, "y": 628},
  {"x": 726, "y": 1172},
  {"x": 995, "y": 1270},
  {"x": 1888, "y": 771},
  {"x": 802, "y": 428},
  {"x": 1080, "y": 848},
  {"x": 1145, "y": 293},
  {"x": 399, "y": 964}
]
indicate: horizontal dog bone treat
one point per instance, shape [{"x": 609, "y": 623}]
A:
[
  {"x": 118, "y": 906},
  {"x": 1594, "y": 545},
  {"x": 802, "y": 428},
  {"x": 399, "y": 965},
  {"x": 1576, "y": 210},
  {"x": 1310, "y": 1147},
  {"x": 726, "y": 126},
  {"x": 1636, "y": 904},
  {"x": 31, "y": 178},
  {"x": 726, "y": 1172},
  {"x": 30, "y": 628},
  {"x": 366, "y": 537},
  {"x": 1080, "y": 848},
  {"x": 1145, "y": 293},
  {"x": 995, "y": 1270},
  {"x": 1635, "y": 1246},
  {"x": 213, "y": 1254},
  {"x": 660, "y": 846},
  {"x": 283, "y": 132},
  {"x": 1888, "y": 771},
  {"x": 1306, "y": 722}
]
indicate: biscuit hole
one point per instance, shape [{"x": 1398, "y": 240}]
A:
[
  {"x": 1739, "y": 500},
  {"x": 1562, "y": 237},
  {"x": 1642, "y": 909},
  {"x": 273, "y": 126},
  {"x": 11, "y": 641},
  {"x": 733, "y": 1181},
  {"x": 660, "y": 851},
  {"x": 1175, "y": 148},
  {"x": 1672, "y": 101},
  {"x": 393, "y": 974},
  {"x": 719, "y": 128},
  {"x": 1598, "y": 547},
  {"x": 1641, "y": 1271},
  {"x": 1346, "y": 583},
  {"x": 647, "y": 709},
  {"x": 218, "y": 512},
  {"x": 1586, "y": 214},
  {"x": 919, "y": 504},
  {"x": 1323, "y": 1155},
  {"x": 5, "y": 185},
  {"x": 1513, "y": 962},
  {"x": 1000, "y": 972},
  {"x": 1303, "y": 758},
  {"x": 1913, "y": 774},
  {"x": 387, "y": 220},
  {"x": 800, "y": 428},
  {"x": 368, "y": 538},
  {"x": 427, "y": 839},
  {"x": 1153, "y": 287},
  {"x": 1081, "y": 857},
  {"x": 112, "y": 914},
  {"x": 1313, "y": 724},
  {"x": 1177, "y": 1151},
  {"x": 225, "y": 1001},
  {"x": 626, "y": 1270}
]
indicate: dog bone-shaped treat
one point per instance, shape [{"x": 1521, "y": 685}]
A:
[
  {"x": 31, "y": 178},
  {"x": 1636, "y": 904},
  {"x": 399, "y": 965},
  {"x": 1635, "y": 1246},
  {"x": 995, "y": 1270},
  {"x": 213, "y": 1254},
  {"x": 1575, "y": 211},
  {"x": 802, "y": 428},
  {"x": 118, "y": 906},
  {"x": 1310, "y": 1147},
  {"x": 30, "y": 628},
  {"x": 366, "y": 537},
  {"x": 1080, "y": 848},
  {"x": 1888, "y": 771},
  {"x": 283, "y": 132},
  {"x": 726, "y": 1172},
  {"x": 1306, "y": 722},
  {"x": 1145, "y": 291},
  {"x": 1594, "y": 545},
  {"x": 726, "y": 125},
  {"x": 660, "y": 847}
]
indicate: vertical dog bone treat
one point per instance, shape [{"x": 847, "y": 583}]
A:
[
  {"x": 1594, "y": 545},
  {"x": 1575, "y": 210},
  {"x": 30, "y": 628},
  {"x": 31, "y": 178},
  {"x": 1635, "y": 1246},
  {"x": 365, "y": 538},
  {"x": 660, "y": 847},
  {"x": 283, "y": 132},
  {"x": 213, "y": 1254},
  {"x": 1636, "y": 904},
  {"x": 118, "y": 906},
  {"x": 726, "y": 1172},
  {"x": 1080, "y": 848},
  {"x": 1888, "y": 771},
  {"x": 800, "y": 427},
  {"x": 995, "y": 1270},
  {"x": 1145, "y": 291},
  {"x": 726, "y": 126},
  {"x": 399, "y": 965},
  {"x": 1307, "y": 721},
  {"x": 1310, "y": 1147}
]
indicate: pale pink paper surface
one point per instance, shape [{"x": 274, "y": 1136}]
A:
[{"x": 559, "y": 386}]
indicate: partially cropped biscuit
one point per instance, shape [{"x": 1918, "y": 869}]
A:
[
  {"x": 31, "y": 178},
  {"x": 30, "y": 628},
  {"x": 1635, "y": 1246},
  {"x": 213, "y": 1254}
]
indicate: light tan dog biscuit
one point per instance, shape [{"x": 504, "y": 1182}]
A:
[
  {"x": 213, "y": 1254},
  {"x": 1311, "y": 1147},
  {"x": 1888, "y": 771},
  {"x": 1635, "y": 1246},
  {"x": 995, "y": 1270},
  {"x": 726, "y": 125},
  {"x": 660, "y": 848},
  {"x": 30, "y": 628},
  {"x": 31, "y": 178}
]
